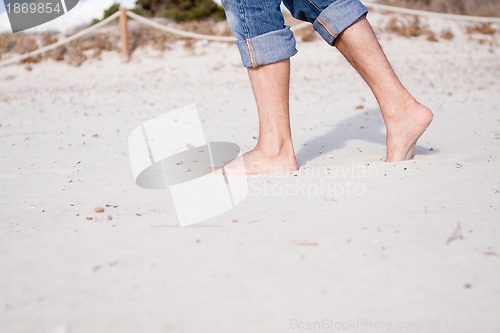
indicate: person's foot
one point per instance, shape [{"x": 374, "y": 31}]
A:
[
  {"x": 257, "y": 161},
  {"x": 404, "y": 129}
]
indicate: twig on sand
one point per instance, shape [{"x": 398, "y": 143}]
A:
[{"x": 457, "y": 234}]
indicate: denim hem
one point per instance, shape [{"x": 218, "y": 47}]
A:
[
  {"x": 337, "y": 17},
  {"x": 267, "y": 48}
]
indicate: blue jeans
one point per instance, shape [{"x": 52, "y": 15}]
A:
[{"x": 263, "y": 38}]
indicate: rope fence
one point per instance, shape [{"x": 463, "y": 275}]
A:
[
  {"x": 179, "y": 32},
  {"x": 124, "y": 13}
]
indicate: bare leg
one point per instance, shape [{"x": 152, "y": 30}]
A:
[
  {"x": 274, "y": 150},
  {"x": 405, "y": 118}
]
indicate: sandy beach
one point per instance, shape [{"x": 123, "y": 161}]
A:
[{"x": 347, "y": 243}]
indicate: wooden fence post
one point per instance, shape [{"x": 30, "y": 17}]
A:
[{"x": 124, "y": 34}]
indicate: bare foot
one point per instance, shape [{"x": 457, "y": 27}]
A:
[
  {"x": 404, "y": 130},
  {"x": 258, "y": 162}
]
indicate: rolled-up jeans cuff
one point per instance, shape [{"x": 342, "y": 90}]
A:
[
  {"x": 267, "y": 48},
  {"x": 337, "y": 17}
]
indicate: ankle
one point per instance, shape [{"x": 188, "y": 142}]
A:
[
  {"x": 399, "y": 106},
  {"x": 275, "y": 150}
]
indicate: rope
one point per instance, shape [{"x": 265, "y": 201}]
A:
[
  {"x": 59, "y": 43},
  {"x": 394, "y": 9},
  {"x": 178, "y": 32}
]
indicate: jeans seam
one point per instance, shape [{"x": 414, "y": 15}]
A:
[
  {"x": 314, "y": 5},
  {"x": 242, "y": 13},
  {"x": 251, "y": 52},
  {"x": 327, "y": 27}
]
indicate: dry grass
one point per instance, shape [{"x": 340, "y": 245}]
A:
[
  {"x": 410, "y": 27},
  {"x": 447, "y": 34},
  {"x": 19, "y": 44},
  {"x": 208, "y": 28},
  {"x": 481, "y": 28},
  {"x": 74, "y": 53}
]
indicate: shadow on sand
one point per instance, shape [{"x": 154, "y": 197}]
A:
[{"x": 367, "y": 125}]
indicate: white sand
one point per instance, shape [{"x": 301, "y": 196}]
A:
[{"x": 384, "y": 258}]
